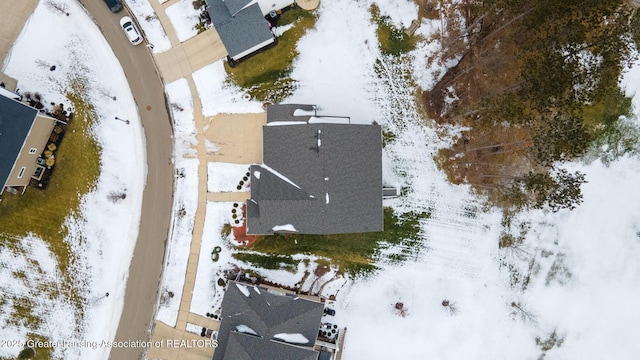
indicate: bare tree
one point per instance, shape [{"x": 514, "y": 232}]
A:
[
  {"x": 450, "y": 307},
  {"x": 107, "y": 93},
  {"x": 400, "y": 309},
  {"x": 116, "y": 197},
  {"x": 58, "y": 7},
  {"x": 177, "y": 107},
  {"x": 520, "y": 310},
  {"x": 43, "y": 64}
]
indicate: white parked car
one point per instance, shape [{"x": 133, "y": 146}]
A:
[{"x": 131, "y": 30}]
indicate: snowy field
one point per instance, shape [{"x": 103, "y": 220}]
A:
[
  {"x": 151, "y": 27},
  {"x": 76, "y": 46}
]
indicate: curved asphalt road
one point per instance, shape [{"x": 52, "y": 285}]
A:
[{"x": 148, "y": 257}]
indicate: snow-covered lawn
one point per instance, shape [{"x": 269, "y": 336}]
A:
[
  {"x": 179, "y": 245},
  {"x": 102, "y": 251},
  {"x": 185, "y": 201},
  {"x": 226, "y": 177},
  {"x": 181, "y": 106},
  {"x": 207, "y": 295},
  {"x": 151, "y": 26},
  {"x": 184, "y": 18},
  {"x": 219, "y": 97}
]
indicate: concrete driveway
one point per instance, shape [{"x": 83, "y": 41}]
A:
[
  {"x": 148, "y": 257},
  {"x": 238, "y": 137}
]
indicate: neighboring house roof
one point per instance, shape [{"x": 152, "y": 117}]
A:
[
  {"x": 241, "y": 26},
  {"x": 16, "y": 120},
  {"x": 317, "y": 177},
  {"x": 253, "y": 318}
]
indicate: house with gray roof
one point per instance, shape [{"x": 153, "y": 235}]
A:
[
  {"x": 260, "y": 324},
  {"x": 24, "y": 132},
  {"x": 319, "y": 175},
  {"x": 241, "y": 24}
]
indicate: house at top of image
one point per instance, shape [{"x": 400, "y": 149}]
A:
[
  {"x": 319, "y": 175},
  {"x": 260, "y": 322},
  {"x": 24, "y": 133},
  {"x": 242, "y": 26}
]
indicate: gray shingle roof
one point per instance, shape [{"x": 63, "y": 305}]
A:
[
  {"x": 16, "y": 120},
  {"x": 285, "y": 112},
  {"x": 240, "y": 29},
  {"x": 248, "y": 347},
  {"x": 266, "y": 314},
  {"x": 333, "y": 179},
  {"x": 235, "y": 5}
]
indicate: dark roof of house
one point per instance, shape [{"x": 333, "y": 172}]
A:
[
  {"x": 266, "y": 314},
  {"x": 242, "y": 346},
  {"x": 286, "y": 112},
  {"x": 16, "y": 120},
  {"x": 317, "y": 178},
  {"x": 240, "y": 28},
  {"x": 236, "y": 5}
]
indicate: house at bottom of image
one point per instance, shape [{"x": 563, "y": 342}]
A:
[
  {"x": 259, "y": 322},
  {"x": 319, "y": 175}
]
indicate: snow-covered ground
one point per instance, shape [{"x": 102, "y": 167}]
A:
[
  {"x": 219, "y": 97},
  {"x": 207, "y": 294},
  {"x": 185, "y": 201},
  {"x": 151, "y": 26},
  {"x": 184, "y": 18},
  {"x": 76, "y": 46},
  {"x": 226, "y": 177}
]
